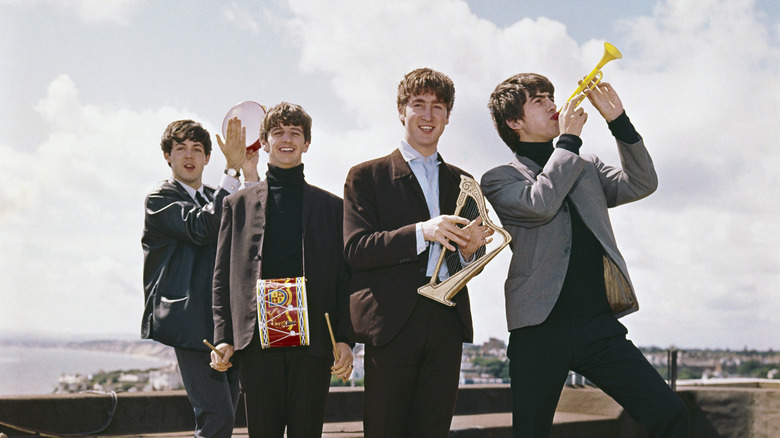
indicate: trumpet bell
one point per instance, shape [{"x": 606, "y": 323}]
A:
[{"x": 611, "y": 53}]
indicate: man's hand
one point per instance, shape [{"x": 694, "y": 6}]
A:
[
  {"x": 444, "y": 228},
  {"x": 479, "y": 235},
  {"x": 223, "y": 363},
  {"x": 250, "y": 166},
  {"x": 606, "y": 101},
  {"x": 234, "y": 145},
  {"x": 572, "y": 119},
  {"x": 343, "y": 368}
]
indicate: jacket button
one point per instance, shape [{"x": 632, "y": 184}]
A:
[{"x": 567, "y": 250}]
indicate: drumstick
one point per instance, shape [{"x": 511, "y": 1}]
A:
[
  {"x": 333, "y": 341},
  {"x": 213, "y": 348}
]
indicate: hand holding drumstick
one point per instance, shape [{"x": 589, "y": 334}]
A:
[
  {"x": 342, "y": 353},
  {"x": 220, "y": 356}
]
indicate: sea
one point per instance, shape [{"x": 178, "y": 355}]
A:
[{"x": 36, "y": 370}]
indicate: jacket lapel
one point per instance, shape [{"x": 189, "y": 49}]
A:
[
  {"x": 308, "y": 206},
  {"x": 308, "y": 203},
  {"x": 180, "y": 189},
  {"x": 256, "y": 219},
  {"x": 526, "y": 166},
  {"x": 401, "y": 171},
  {"x": 447, "y": 180}
]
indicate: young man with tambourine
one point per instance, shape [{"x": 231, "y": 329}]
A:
[
  {"x": 279, "y": 271},
  {"x": 181, "y": 222},
  {"x": 568, "y": 282}
]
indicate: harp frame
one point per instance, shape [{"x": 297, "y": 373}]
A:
[{"x": 444, "y": 291}]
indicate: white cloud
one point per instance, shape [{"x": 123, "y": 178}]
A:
[
  {"x": 73, "y": 215},
  {"x": 698, "y": 79},
  {"x": 244, "y": 20},
  {"x": 91, "y": 11},
  {"x": 101, "y": 11}
]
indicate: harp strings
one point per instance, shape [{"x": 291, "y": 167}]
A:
[{"x": 470, "y": 211}]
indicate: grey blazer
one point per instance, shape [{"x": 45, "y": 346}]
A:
[{"x": 529, "y": 201}]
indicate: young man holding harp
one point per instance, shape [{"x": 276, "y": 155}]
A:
[
  {"x": 395, "y": 227},
  {"x": 568, "y": 282}
]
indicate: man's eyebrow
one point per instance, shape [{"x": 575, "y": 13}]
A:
[
  {"x": 422, "y": 99},
  {"x": 293, "y": 127}
]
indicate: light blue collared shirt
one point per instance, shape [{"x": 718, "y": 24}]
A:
[{"x": 426, "y": 170}]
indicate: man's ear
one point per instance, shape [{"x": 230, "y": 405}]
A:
[
  {"x": 167, "y": 158},
  {"x": 402, "y": 118},
  {"x": 208, "y": 157},
  {"x": 516, "y": 125}
]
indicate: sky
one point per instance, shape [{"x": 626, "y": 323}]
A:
[{"x": 87, "y": 88}]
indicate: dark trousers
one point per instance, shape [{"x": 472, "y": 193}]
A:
[
  {"x": 541, "y": 356},
  {"x": 411, "y": 383},
  {"x": 213, "y": 395},
  {"x": 284, "y": 387}
]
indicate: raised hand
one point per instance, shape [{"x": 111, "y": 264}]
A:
[
  {"x": 571, "y": 119},
  {"x": 234, "y": 145},
  {"x": 250, "y": 166},
  {"x": 605, "y": 99}
]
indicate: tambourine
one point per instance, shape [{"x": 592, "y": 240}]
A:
[{"x": 251, "y": 115}]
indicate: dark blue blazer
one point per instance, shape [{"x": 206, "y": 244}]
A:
[{"x": 179, "y": 243}]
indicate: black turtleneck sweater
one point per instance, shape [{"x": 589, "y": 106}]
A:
[
  {"x": 583, "y": 292},
  {"x": 283, "y": 241}
]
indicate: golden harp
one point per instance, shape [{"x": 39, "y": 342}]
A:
[{"x": 444, "y": 291}]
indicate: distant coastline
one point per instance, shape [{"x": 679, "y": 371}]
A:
[
  {"x": 141, "y": 347},
  {"x": 36, "y": 366}
]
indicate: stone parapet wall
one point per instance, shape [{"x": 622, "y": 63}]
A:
[{"x": 715, "y": 412}]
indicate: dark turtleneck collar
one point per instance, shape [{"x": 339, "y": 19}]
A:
[
  {"x": 280, "y": 176},
  {"x": 539, "y": 152}
]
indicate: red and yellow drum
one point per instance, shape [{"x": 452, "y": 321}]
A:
[{"x": 282, "y": 312}]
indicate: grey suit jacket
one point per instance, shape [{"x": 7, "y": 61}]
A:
[{"x": 529, "y": 201}]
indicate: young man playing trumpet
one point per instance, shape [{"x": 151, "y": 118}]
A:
[{"x": 568, "y": 282}]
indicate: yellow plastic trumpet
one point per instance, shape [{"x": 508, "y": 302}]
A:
[{"x": 593, "y": 78}]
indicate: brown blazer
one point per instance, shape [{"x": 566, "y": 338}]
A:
[
  {"x": 239, "y": 265},
  {"x": 382, "y": 203}
]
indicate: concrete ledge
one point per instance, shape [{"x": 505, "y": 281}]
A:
[{"x": 481, "y": 411}]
